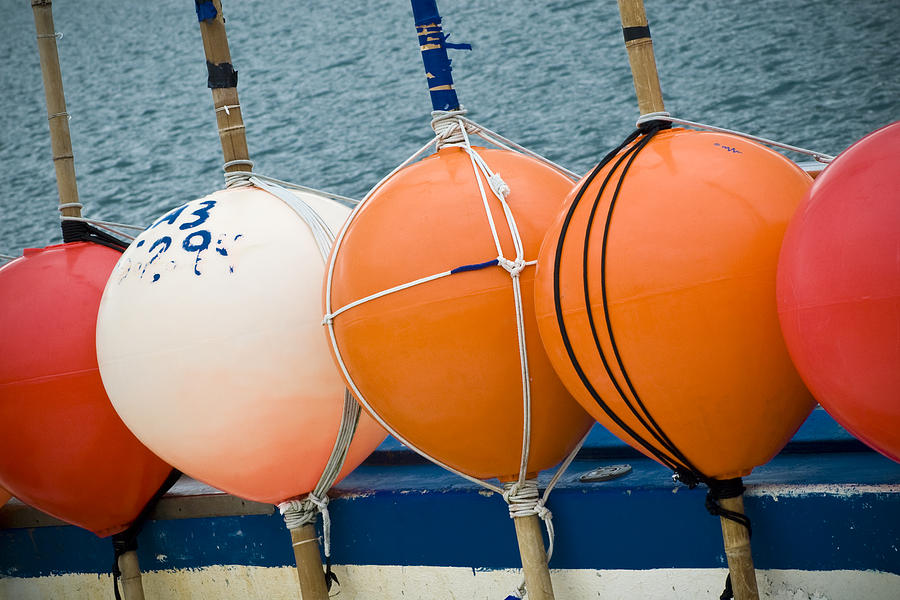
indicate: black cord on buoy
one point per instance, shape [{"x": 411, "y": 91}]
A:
[
  {"x": 79, "y": 231},
  {"x": 670, "y": 455}
]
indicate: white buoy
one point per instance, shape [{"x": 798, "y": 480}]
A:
[{"x": 211, "y": 348}]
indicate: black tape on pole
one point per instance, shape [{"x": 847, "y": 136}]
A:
[
  {"x": 222, "y": 75},
  {"x": 636, "y": 33}
]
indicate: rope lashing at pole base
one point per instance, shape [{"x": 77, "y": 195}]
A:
[
  {"x": 209, "y": 336},
  {"x": 443, "y": 249},
  {"x": 654, "y": 299},
  {"x": 96, "y": 475}
]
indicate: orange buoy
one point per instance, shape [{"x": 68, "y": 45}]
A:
[
  {"x": 439, "y": 362},
  {"x": 4, "y": 496},
  {"x": 680, "y": 353},
  {"x": 839, "y": 290},
  {"x": 63, "y": 449}
]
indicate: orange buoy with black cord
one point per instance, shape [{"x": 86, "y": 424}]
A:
[
  {"x": 428, "y": 303},
  {"x": 839, "y": 290},
  {"x": 654, "y": 297}
]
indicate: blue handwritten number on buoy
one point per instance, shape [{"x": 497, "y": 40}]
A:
[
  {"x": 202, "y": 215},
  {"x": 165, "y": 241},
  {"x": 170, "y": 217},
  {"x": 197, "y": 242}
]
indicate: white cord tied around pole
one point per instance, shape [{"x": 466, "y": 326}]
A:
[
  {"x": 298, "y": 513},
  {"x": 524, "y": 500},
  {"x": 664, "y": 116},
  {"x": 448, "y": 126}
]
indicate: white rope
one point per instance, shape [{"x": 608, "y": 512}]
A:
[
  {"x": 664, "y": 116},
  {"x": 240, "y": 179},
  {"x": 452, "y": 129},
  {"x": 299, "y": 512},
  {"x": 227, "y": 108},
  {"x": 7, "y": 257},
  {"x": 107, "y": 225},
  {"x": 447, "y": 125}
]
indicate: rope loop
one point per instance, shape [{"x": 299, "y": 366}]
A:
[
  {"x": 645, "y": 122},
  {"x": 448, "y": 126},
  {"x": 227, "y": 108},
  {"x": 298, "y": 513},
  {"x": 234, "y": 179},
  {"x": 525, "y": 500}
]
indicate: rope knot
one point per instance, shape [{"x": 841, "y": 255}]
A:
[
  {"x": 448, "y": 125},
  {"x": 542, "y": 511},
  {"x": 513, "y": 267},
  {"x": 523, "y": 498},
  {"x": 498, "y": 186},
  {"x": 234, "y": 179}
]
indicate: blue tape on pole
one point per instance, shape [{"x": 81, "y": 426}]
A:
[
  {"x": 433, "y": 45},
  {"x": 475, "y": 267},
  {"x": 206, "y": 10},
  {"x": 425, "y": 12}
]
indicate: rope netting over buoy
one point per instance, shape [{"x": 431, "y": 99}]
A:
[
  {"x": 473, "y": 187},
  {"x": 454, "y": 130}
]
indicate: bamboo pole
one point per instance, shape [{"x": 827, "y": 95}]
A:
[
  {"x": 230, "y": 122},
  {"x": 232, "y": 135},
  {"x": 64, "y": 164},
  {"x": 738, "y": 552},
  {"x": 309, "y": 562},
  {"x": 443, "y": 98},
  {"x": 649, "y": 96},
  {"x": 60, "y": 140},
  {"x": 640, "y": 55},
  {"x": 131, "y": 576},
  {"x": 534, "y": 558}
]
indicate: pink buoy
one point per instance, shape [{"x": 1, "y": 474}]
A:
[{"x": 839, "y": 289}]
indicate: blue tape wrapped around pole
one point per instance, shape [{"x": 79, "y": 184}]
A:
[{"x": 433, "y": 44}]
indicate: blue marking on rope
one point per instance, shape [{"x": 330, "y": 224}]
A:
[
  {"x": 206, "y": 10},
  {"x": 475, "y": 267}
]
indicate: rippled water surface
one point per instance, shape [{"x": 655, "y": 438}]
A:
[{"x": 334, "y": 96}]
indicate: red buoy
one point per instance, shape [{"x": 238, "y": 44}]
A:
[
  {"x": 839, "y": 289},
  {"x": 63, "y": 449}
]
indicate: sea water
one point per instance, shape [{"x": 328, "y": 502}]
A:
[{"x": 334, "y": 94}]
